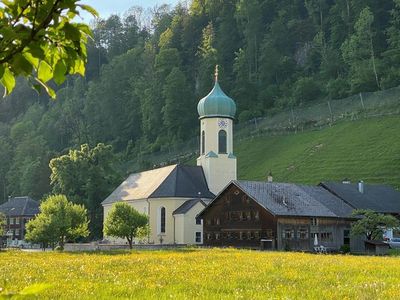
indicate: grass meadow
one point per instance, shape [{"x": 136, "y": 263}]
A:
[{"x": 197, "y": 273}]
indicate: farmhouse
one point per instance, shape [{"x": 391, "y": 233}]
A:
[
  {"x": 173, "y": 196},
  {"x": 18, "y": 211},
  {"x": 288, "y": 216},
  {"x": 276, "y": 216}
]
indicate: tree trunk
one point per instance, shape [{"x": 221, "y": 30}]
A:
[
  {"x": 130, "y": 240},
  {"x": 373, "y": 60}
]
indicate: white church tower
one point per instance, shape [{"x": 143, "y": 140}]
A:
[{"x": 216, "y": 114}]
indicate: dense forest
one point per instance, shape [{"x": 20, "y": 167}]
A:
[{"x": 147, "y": 70}]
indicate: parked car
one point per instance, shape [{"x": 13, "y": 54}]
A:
[{"x": 394, "y": 242}]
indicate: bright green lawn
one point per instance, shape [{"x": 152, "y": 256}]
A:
[
  {"x": 365, "y": 149},
  {"x": 201, "y": 274}
]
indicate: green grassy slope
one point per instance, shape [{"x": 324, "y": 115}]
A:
[{"x": 367, "y": 149}]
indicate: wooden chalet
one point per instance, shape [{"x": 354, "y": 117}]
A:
[{"x": 276, "y": 216}]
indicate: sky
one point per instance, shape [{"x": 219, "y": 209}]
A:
[{"x": 107, "y": 7}]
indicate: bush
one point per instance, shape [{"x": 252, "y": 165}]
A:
[{"x": 345, "y": 249}]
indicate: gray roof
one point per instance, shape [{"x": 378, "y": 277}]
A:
[
  {"x": 287, "y": 199},
  {"x": 187, "y": 205},
  {"x": 20, "y": 206},
  {"x": 171, "y": 181},
  {"x": 380, "y": 198}
]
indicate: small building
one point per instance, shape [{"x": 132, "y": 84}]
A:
[
  {"x": 18, "y": 211},
  {"x": 277, "y": 216},
  {"x": 376, "y": 247}
]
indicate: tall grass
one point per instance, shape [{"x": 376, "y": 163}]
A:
[{"x": 200, "y": 274}]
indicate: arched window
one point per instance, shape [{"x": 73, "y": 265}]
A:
[
  {"x": 203, "y": 142},
  {"x": 161, "y": 220},
  {"x": 222, "y": 142}
]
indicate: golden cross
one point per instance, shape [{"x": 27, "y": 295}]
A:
[{"x": 216, "y": 72}]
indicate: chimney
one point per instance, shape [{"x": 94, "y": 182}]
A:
[
  {"x": 269, "y": 177},
  {"x": 361, "y": 186}
]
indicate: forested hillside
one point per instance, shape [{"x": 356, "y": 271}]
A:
[{"x": 144, "y": 78}]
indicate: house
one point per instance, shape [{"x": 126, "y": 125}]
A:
[
  {"x": 18, "y": 211},
  {"x": 172, "y": 196},
  {"x": 279, "y": 216}
]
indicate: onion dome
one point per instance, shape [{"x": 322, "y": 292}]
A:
[{"x": 216, "y": 103}]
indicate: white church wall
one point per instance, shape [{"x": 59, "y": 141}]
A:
[
  {"x": 170, "y": 205},
  {"x": 190, "y": 226}
]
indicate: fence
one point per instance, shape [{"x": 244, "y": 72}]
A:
[{"x": 313, "y": 116}]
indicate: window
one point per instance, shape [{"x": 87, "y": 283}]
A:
[
  {"x": 302, "y": 233},
  {"x": 326, "y": 237},
  {"x": 198, "y": 221},
  {"x": 161, "y": 220},
  {"x": 208, "y": 221},
  {"x": 257, "y": 235},
  {"x": 314, "y": 222},
  {"x": 198, "y": 237},
  {"x": 288, "y": 234},
  {"x": 346, "y": 237},
  {"x": 217, "y": 236},
  {"x": 17, "y": 221},
  {"x": 208, "y": 236},
  {"x": 203, "y": 142},
  {"x": 11, "y": 221},
  {"x": 248, "y": 215},
  {"x": 241, "y": 235},
  {"x": 257, "y": 215},
  {"x": 222, "y": 142},
  {"x": 17, "y": 232}
]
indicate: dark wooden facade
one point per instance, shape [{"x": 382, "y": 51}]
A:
[
  {"x": 239, "y": 221},
  {"x": 234, "y": 219}
]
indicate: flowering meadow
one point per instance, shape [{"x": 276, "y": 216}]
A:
[{"x": 197, "y": 273}]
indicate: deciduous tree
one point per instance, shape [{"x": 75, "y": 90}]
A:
[
  {"x": 59, "y": 221},
  {"x": 124, "y": 221},
  {"x": 372, "y": 224}
]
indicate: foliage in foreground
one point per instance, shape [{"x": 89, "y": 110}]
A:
[
  {"x": 125, "y": 222},
  {"x": 59, "y": 221},
  {"x": 41, "y": 41},
  {"x": 200, "y": 274}
]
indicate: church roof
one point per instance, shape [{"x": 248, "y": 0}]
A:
[
  {"x": 216, "y": 104},
  {"x": 171, "y": 181},
  {"x": 20, "y": 206},
  {"x": 185, "y": 207}
]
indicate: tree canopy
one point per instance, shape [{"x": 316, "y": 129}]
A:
[
  {"x": 40, "y": 40},
  {"x": 372, "y": 224},
  {"x": 86, "y": 176},
  {"x": 59, "y": 221},
  {"x": 125, "y": 222}
]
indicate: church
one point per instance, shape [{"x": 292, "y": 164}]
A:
[{"x": 174, "y": 195}]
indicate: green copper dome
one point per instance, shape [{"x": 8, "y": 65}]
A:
[{"x": 216, "y": 104}]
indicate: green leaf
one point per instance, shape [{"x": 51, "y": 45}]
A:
[
  {"x": 48, "y": 89},
  {"x": 32, "y": 60},
  {"x": 21, "y": 64},
  {"x": 8, "y": 81},
  {"x": 89, "y": 9},
  {"x": 59, "y": 72},
  {"x": 71, "y": 32},
  {"x": 1, "y": 71},
  {"x": 45, "y": 72}
]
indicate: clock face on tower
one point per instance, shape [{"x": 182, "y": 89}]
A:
[{"x": 222, "y": 123}]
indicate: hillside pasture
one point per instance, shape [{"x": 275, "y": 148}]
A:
[
  {"x": 366, "y": 149},
  {"x": 198, "y": 273}
]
